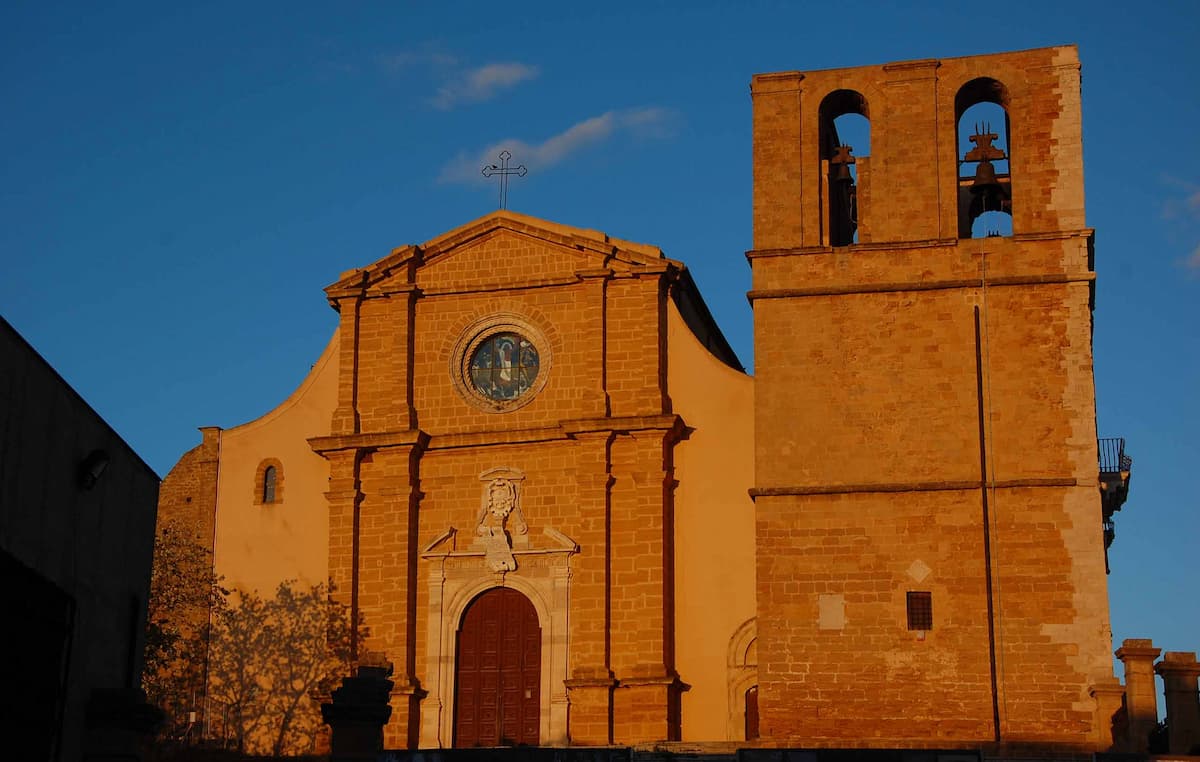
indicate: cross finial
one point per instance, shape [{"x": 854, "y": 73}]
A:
[{"x": 503, "y": 170}]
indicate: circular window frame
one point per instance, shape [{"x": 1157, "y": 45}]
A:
[{"x": 474, "y": 336}]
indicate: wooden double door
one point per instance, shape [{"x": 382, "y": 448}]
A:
[{"x": 498, "y": 672}]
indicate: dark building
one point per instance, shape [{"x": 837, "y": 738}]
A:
[{"x": 77, "y": 511}]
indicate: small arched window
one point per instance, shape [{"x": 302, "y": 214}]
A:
[
  {"x": 268, "y": 482},
  {"x": 845, "y": 137},
  {"x": 269, "y": 485},
  {"x": 984, "y": 149}
]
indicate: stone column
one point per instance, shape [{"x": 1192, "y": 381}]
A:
[
  {"x": 1179, "y": 670},
  {"x": 1141, "y": 694},
  {"x": 387, "y": 565},
  {"x": 646, "y": 700}
]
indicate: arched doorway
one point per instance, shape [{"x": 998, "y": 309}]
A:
[
  {"x": 498, "y": 672},
  {"x": 752, "y": 713}
]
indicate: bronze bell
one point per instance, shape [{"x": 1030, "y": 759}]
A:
[
  {"x": 839, "y": 165},
  {"x": 985, "y": 179},
  {"x": 989, "y": 194}
]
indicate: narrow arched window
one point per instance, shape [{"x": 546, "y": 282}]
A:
[
  {"x": 845, "y": 137},
  {"x": 268, "y": 493},
  {"x": 268, "y": 482},
  {"x": 985, "y": 201}
]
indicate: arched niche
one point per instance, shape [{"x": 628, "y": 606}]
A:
[{"x": 741, "y": 660}]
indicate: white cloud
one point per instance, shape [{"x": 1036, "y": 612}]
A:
[
  {"x": 394, "y": 63},
  {"x": 1184, "y": 201},
  {"x": 638, "y": 123},
  {"x": 483, "y": 83},
  {"x": 1182, "y": 210},
  {"x": 1193, "y": 262},
  {"x": 651, "y": 121}
]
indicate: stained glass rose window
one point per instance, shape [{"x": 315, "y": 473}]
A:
[
  {"x": 501, "y": 362},
  {"x": 504, "y": 366}
]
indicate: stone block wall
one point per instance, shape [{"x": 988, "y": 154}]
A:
[
  {"x": 925, "y": 422},
  {"x": 593, "y": 446},
  {"x": 189, "y": 491}
]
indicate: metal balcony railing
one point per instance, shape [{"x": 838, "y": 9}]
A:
[{"x": 1112, "y": 455}]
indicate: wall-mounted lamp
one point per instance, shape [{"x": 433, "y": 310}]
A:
[{"x": 92, "y": 468}]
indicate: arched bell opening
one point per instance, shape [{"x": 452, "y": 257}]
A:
[
  {"x": 992, "y": 225},
  {"x": 984, "y": 149},
  {"x": 845, "y": 138}
]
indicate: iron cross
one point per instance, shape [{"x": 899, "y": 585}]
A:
[{"x": 503, "y": 170}]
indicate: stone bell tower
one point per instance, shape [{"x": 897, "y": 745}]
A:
[{"x": 930, "y": 567}]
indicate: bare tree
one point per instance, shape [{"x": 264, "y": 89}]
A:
[
  {"x": 271, "y": 659},
  {"x": 183, "y": 589}
]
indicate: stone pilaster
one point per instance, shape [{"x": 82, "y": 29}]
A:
[
  {"x": 646, "y": 700},
  {"x": 387, "y": 319},
  {"x": 343, "y": 499},
  {"x": 590, "y": 687},
  {"x": 345, "y": 415},
  {"x": 386, "y": 567},
  {"x": 590, "y": 710}
]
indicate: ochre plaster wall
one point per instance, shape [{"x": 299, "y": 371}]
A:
[
  {"x": 714, "y": 526},
  {"x": 258, "y": 546}
]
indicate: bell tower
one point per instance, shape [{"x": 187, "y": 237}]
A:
[{"x": 930, "y": 564}]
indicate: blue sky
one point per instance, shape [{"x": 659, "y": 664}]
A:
[{"x": 179, "y": 182}]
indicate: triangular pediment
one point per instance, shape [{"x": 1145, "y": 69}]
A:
[{"x": 499, "y": 250}]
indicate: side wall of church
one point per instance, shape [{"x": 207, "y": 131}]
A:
[
  {"x": 261, "y": 543},
  {"x": 187, "y": 503},
  {"x": 889, "y": 425},
  {"x": 714, "y": 534},
  {"x": 188, "y": 494}
]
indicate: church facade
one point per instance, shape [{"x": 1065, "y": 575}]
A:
[{"x": 539, "y": 478}]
